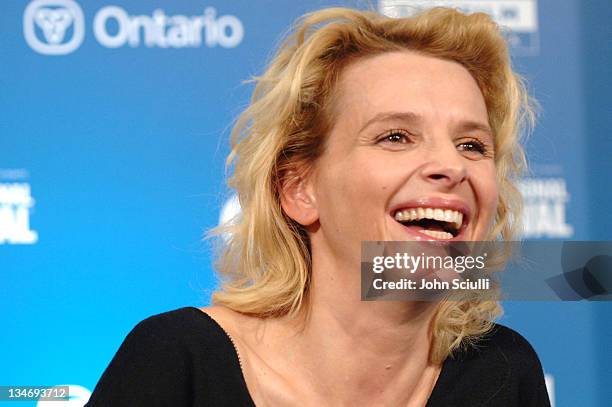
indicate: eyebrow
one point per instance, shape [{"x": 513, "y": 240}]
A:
[
  {"x": 408, "y": 117},
  {"x": 411, "y": 117}
]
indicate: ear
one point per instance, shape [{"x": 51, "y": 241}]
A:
[{"x": 298, "y": 200}]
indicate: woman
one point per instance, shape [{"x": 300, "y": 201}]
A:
[{"x": 358, "y": 118}]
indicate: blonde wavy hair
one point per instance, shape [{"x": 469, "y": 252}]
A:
[{"x": 265, "y": 263}]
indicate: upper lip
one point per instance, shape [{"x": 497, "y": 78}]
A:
[{"x": 453, "y": 203}]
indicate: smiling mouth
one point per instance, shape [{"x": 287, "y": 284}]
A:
[{"x": 441, "y": 224}]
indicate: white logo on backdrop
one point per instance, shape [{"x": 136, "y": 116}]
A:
[
  {"x": 114, "y": 27},
  {"x": 520, "y": 17},
  {"x": 160, "y": 30},
  {"x": 54, "y": 18},
  {"x": 15, "y": 204},
  {"x": 550, "y": 387},
  {"x": 544, "y": 212},
  {"x": 231, "y": 209},
  {"x": 79, "y": 395}
]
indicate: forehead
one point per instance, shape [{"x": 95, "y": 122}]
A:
[{"x": 433, "y": 88}]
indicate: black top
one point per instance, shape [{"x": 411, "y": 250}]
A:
[{"x": 184, "y": 358}]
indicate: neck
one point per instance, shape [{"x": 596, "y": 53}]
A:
[{"x": 362, "y": 349}]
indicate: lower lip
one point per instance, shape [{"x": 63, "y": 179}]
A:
[{"x": 416, "y": 235}]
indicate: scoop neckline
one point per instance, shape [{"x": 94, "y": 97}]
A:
[
  {"x": 236, "y": 355},
  {"x": 434, "y": 392}
]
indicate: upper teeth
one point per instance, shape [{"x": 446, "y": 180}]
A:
[{"x": 445, "y": 215}]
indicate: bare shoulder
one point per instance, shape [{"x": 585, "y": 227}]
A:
[
  {"x": 235, "y": 324},
  {"x": 225, "y": 317},
  {"x": 266, "y": 385},
  {"x": 219, "y": 313}
]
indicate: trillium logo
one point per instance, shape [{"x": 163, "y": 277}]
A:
[{"x": 53, "y": 27}]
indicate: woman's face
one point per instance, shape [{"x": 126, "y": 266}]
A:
[{"x": 409, "y": 157}]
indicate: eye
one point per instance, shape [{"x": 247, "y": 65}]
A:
[
  {"x": 474, "y": 146},
  {"x": 395, "y": 136}
]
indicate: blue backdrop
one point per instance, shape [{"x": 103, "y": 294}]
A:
[{"x": 113, "y": 134}]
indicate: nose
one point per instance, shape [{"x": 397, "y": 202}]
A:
[{"x": 444, "y": 166}]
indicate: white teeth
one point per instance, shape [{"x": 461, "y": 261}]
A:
[
  {"x": 413, "y": 214},
  {"x": 458, "y": 220},
  {"x": 445, "y": 215},
  {"x": 439, "y": 214},
  {"x": 448, "y": 215},
  {"x": 437, "y": 234},
  {"x": 420, "y": 213}
]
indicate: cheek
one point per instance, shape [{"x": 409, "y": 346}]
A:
[
  {"x": 488, "y": 192},
  {"x": 360, "y": 185},
  {"x": 354, "y": 192}
]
